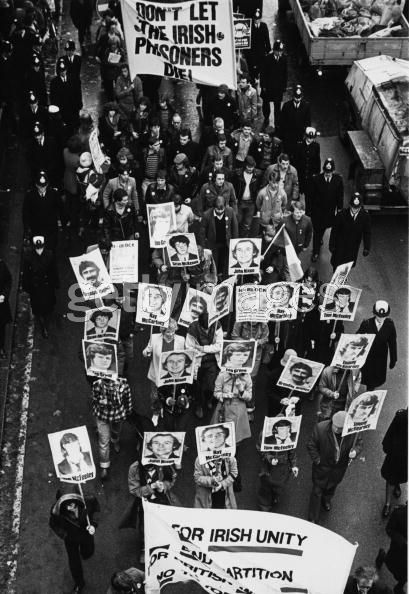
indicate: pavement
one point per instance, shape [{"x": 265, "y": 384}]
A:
[{"x": 47, "y": 389}]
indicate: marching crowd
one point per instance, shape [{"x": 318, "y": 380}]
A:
[{"x": 248, "y": 176}]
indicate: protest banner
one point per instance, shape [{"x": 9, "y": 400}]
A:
[
  {"x": 161, "y": 222},
  {"x": 280, "y": 434},
  {"x": 221, "y": 299},
  {"x": 123, "y": 261},
  {"x": 244, "y": 256},
  {"x": 251, "y": 303},
  {"x": 102, "y": 324},
  {"x": 352, "y": 350},
  {"x": 154, "y": 304},
  {"x": 162, "y": 448},
  {"x": 242, "y": 33},
  {"x": 215, "y": 442},
  {"x": 100, "y": 359},
  {"x": 97, "y": 155},
  {"x": 363, "y": 412},
  {"x": 176, "y": 367},
  {"x": 92, "y": 275},
  {"x": 237, "y": 356},
  {"x": 242, "y": 551},
  {"x": 72, "y": 455},
  {"x": 191, "y": 40},
  {"x": 182, "y": 250},
  {"x": 340, "y": 303},
  {"x": 196, "y": 303},
  {"x": 300, "y": 374}
]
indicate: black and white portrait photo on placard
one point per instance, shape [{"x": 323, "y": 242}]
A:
[
  {"x": 340, "y": 303},
  {"x": 176, "y": 367},
  {"x": 182, "y": 250},
  {"x": 92, "y": 275},
  {"x": 363, "y": 412},
  {"x": 281, "y": 301},
  {"x": 220, "y": 302},
  {"x": 280, "y": 433},
  {"x": 244, "y": 256},
  {"x": 162, "y": 448},
  {"x": 300, "y": 374},
  {"x": 215, "y": 441},
  {"x": 101, "y": 324},
  {"x": 237, "y": 356},
  {"x": 72, "y": 455},
  {"x": 196, "y": 303},
  {"x": 161, "y": 222},
  {"x": 352, "y": 350},
  {"x": 100, "y": 359},
  {"x": 153, "y": 304}
]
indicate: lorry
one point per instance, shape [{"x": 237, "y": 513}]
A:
[
  {"x": 343, "y": 51},
  {"x": 378, "y": 131}
]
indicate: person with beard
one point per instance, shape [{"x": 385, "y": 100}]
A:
[
  {"x": 206, "y": 342},
  {"x": 218, "y": 226}
]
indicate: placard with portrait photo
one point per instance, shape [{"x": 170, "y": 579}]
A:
[
  {"x": 280, "y": 434},
  {"x": 282, "y": 300},
  {"x": 153, "y": 305},
  {"x": 162, "y": 448},
  {"x": 100, "y": 358},
  {"x": 182, "y": 250},
  {"x": 215, "y": 442},
  {"x": 123, "y": 261},
  {"x": 300, "y": 374},
  {"x": 251, "y": 303},
  {"x": 196, "y": 303},
  {"x": 92, "y": 275},
  {"x": 102, "y": 324},
  {"x": 176, "y": 367},
  {"x": 340, "y": 303},
  {"x": 238, "y": 356},
  {"x": 221, "y": 299},
  {"x": 363, "y": 412},
  {"x": 161, "y": 222},
  {"x": 244, "y": 256},
  {"x": 72, "y": 455},
  {"x": 352, "y": 350}
]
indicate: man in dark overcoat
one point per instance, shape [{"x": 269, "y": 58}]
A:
[
  {"x": 273, "y": 82},
  {"x": 307, "y": 161},
  {"x": 260, "y": 45},
  {"x": 327, "y": 197},
  {"x": 42, "y": 211},
  {"x": 352, "y": 226},
  {"x": 295, "y": 118},
  {"x": 374, "y": 370},
  {"x": 330, "y": 454},
  {"x": 65, "y": 93},
  {"x": 40, "y": 280}
]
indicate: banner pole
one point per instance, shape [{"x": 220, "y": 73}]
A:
[
  {"x": 332, "y": 332},
  {"x": 353, "y": 447},
  {"x": 277, "y": 335},
  {"x": 85, "y": 505},
  {"x": 273, "y": 240}
]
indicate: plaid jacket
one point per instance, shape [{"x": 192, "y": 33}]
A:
[{"x": 111, "y": 399}]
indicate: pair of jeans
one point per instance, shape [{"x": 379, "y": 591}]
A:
[{"x": 107, "y": 432}]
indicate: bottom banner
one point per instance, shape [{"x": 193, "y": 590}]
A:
[{"x": 242, "y": 552}]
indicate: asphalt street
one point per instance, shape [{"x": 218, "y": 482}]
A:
[{"x": 48, "y": 390}]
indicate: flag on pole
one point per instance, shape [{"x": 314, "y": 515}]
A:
[{"x": 283, "y": 240}]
